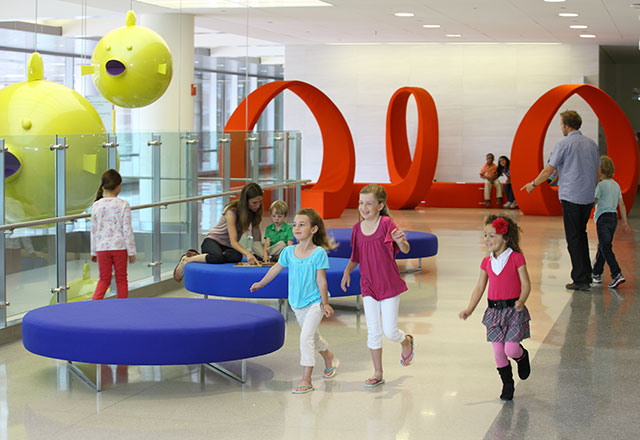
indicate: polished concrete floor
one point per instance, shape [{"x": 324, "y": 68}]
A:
[{"x": 585, "y": 381}]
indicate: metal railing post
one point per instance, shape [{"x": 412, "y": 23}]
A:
[
  {"x": 298, "y": 172},
  {"x": 112, "y": 152},
  {"x": 225, "y": 144},
  {"x": 254, "y": 149},
  {"x": 60, "y": 148},
  {"x": 3, "y": 267},
  {"x": 192, "y": 190},
  {"x": 156, "y": 247},
  {"x": 278, "y": 159}
]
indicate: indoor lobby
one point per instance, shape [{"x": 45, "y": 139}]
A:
[
  {"x": 464, "y": 79},
  {"x": 583, "y": 383}
]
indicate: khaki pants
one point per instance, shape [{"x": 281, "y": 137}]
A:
[
  {"x": 276, "y": 248},
  {"x": 487, "y": 189}
]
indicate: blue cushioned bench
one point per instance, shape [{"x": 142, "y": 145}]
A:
[
  {"x": 153, "y": 331},
  {"x": 229, "y": 281},
  {"x": 423, "y": 244}
]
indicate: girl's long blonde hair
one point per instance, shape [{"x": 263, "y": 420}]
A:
[
  {"x": 320, "y": 238},
  {"x": 380, "y": 195}
]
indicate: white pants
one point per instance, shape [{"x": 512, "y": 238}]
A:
[
  {"x": 309, "y": 319},
  {"x": 487, "y": 189},
  {"x": 382, "y": 317}
]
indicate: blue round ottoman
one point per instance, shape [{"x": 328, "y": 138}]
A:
[
  {"x": 423, "y": 244},
  {"x": 153, "y": 331},
  {"x": 230, "y": 281}
]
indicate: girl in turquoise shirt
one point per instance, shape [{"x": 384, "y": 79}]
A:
[{"x": 308, "y": 295}]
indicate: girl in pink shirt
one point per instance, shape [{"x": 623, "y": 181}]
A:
[
  {"x": 375, "y": 241},
  {"x": 506, "y": 317},
  {"x": 112, "y": 240}
]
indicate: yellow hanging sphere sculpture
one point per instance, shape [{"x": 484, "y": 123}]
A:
[
  {"x": 32, "y": 112},
  {"x": 131, "y": 65}
]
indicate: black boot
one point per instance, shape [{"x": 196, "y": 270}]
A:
[
  {"x": 524, "y": 367},
  {"x": 507, "y": 382}
]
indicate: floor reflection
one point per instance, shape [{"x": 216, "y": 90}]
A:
[{"x": 584, "y": 350}]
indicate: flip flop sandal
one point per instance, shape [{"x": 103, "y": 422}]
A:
[
  {"x": 302, "y": 389},
  {"x": 178, "y": 272},
  {"x": 372, "y": 382},
  {"x": 406, "y": 361},
  {"x": 330, "y": 373}
]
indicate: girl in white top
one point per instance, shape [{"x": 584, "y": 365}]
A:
[{"x": 112, "y": 238}]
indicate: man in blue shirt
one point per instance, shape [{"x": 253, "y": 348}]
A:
[{"x": 576, "y": 158}]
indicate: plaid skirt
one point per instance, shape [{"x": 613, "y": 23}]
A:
[{"x": 506, "y": 325}]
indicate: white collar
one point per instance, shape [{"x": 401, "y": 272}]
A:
[{"x": 498, "y": 263}]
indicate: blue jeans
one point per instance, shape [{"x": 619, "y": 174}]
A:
[
  {"x": 606, "y": 227},
  {"x": 509, "y": 192}
]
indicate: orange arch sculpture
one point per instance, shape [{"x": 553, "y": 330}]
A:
[
  {"x": 411, "y": 180},
  {"x": 528, "y": 145},
  {"x": 330, "y": 195}
]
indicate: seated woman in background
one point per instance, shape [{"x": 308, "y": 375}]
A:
[
  {"x": 221, "y": 243},
  {"x": 503, "y": 170}
]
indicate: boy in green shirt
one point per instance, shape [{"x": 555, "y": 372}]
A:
[{"x": 278, "y": 234}]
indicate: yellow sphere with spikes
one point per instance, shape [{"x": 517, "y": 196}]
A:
[
  {"x": 131, "y": 65},
  {"x": 32, "y": 113}
]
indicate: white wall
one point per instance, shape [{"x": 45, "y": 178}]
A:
[{"x": 481, "y": 91}]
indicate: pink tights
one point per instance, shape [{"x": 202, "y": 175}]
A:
[{"x": 504, "y": 350}]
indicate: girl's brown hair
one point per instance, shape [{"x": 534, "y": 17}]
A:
[
  {"x": 110, "y": 181},
  {"x": 512, "y": 237},
  {"x": 380, "y": 194},
  {"x": 240, "y": 207},
  {"x": 607, "y": 169},
  {"x": 320, "y": 238}
]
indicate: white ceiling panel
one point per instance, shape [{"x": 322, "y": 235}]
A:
[{"x": 614, "y": 22}]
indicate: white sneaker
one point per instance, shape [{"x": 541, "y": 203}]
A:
[{"x": 507, "y": 205}]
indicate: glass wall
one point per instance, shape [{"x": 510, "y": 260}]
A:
[
  {"x": 187, "y": 164},
  {"x": 162, "y": 232}
]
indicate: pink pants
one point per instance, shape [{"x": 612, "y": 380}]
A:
[{"x": 117, "y": 259}]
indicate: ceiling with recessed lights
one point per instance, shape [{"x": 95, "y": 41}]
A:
[{"x": 610, "y": 22}]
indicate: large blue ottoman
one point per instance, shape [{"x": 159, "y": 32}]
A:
[
  {"x": 153, "y": 331},
  {"x": 230, "y": 281},
  {"x": 423, "y": 244}
]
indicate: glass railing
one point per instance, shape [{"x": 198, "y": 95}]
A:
[{"x": 176, "y": 184}]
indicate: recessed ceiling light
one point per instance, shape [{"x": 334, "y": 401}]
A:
[
  {"x": 404, "y": 14},
  {"x": 587, "y": 36},
  {"x": 568, "y": 14},
  {"x": 431, "y": 26},
  {"x": 578, "y": 26},
  {"x": 453, "y": 35}
]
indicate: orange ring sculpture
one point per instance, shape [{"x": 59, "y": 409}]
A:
[
  {"x": 528, "y": 145},
  {"x": 410, "y": 180},
  {"x": 330, "y": 194}
]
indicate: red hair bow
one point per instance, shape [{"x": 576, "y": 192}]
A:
[{"x": 501, "y": 226}]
